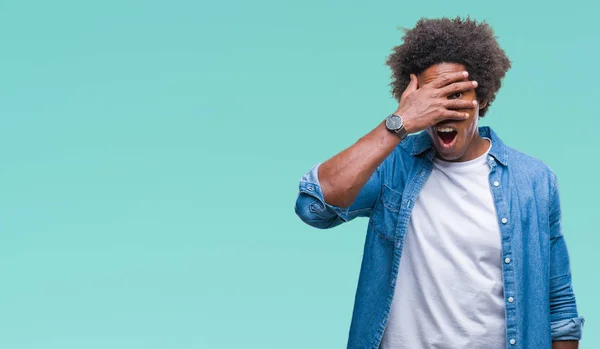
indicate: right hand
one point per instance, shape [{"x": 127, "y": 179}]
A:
[{"x": 424, "y": 107}]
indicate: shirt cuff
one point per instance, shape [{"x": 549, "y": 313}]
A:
[
  {"x": 309, "y": 184},
  {"x": 567, "y": 329}
]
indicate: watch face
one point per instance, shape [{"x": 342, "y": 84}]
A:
[{"x": 394, "y": 122}]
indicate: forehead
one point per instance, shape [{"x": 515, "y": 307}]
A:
[{"x": 437, "y": 70}]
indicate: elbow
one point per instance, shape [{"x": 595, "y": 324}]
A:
[{"x": 312, "y": 212}]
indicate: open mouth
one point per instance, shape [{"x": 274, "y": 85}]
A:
[{"x": 447, "y": 136}]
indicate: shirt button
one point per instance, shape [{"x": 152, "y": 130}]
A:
[
  {"x": 512, "y": 341},
  {"x": 511, "y": 299},
  {"x": 496, "y": 184},
  {"x": 504, "y": 220},
  {"x": 310, "y": 188},
  {"x": 506, "y": 260}
]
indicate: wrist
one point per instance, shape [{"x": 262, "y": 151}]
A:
[
  {"x": 395, "y": 124},
  {"x": 409, "y": 126},
  {"x": 407, "y": 121},
  {"x": 386, "y": 137}
]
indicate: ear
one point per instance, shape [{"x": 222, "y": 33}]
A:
[{"x": 482, "y": 104}]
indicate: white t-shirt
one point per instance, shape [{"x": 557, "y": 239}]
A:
[{"x": 449, "y": 292}]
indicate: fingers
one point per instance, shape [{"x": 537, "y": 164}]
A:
[
  {"x": 454, "y": 104},
  {"x": 412, "y": 85},
  {"x": 456, "y": 87},
  {"x": 446, "y": 114},
  {"x": 447, "y": 79}
]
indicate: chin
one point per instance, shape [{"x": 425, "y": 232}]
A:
[{"x": 448, "y": 154}]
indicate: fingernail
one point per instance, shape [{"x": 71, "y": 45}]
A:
[
  {"x": 466, "y": 73},
  {"x": 475, "y": 83},
  {"x": 466, "y": 115},
  {"x": 474, "y": 102}
]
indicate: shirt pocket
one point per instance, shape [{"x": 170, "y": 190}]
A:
[{"x": 385, "y": 216}]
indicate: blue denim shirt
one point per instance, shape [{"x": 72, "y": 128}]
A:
[{"x": 535, "y": 261}]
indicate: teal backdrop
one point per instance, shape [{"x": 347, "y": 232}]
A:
[{"x": 151, "y": 152}]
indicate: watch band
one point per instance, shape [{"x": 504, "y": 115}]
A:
[{"x": 401, "y": 132}]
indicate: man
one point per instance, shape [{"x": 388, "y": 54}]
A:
[{"x": 464, "y": 247}]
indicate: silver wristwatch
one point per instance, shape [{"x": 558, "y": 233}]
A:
[{"x": 395, "y": 124}]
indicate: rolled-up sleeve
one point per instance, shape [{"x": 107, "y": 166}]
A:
[
  {"x": 313, "y": 210},
  {"x": 566, "y": 324},
  {"x": 568, "y": 329}
]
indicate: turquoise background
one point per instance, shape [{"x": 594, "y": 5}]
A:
[{"x": 151, "y": 151}]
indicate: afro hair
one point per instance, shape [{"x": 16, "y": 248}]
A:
[{"x": 444, "y": 40}]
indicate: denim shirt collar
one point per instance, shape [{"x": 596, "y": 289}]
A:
[{"x": 422, "y": 144}]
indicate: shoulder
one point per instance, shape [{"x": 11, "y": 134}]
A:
[
  {"x": 414, "y": 144},
  {"x": 408, "y": 143},
  {"x": 528, "y": 169},
  {"x": 400, "y": 162},
  {"x": 527, "y": 163},
  {"x": 405, "y": 150}
]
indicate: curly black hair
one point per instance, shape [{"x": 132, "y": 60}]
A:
[{"x": 444, "y": 40}]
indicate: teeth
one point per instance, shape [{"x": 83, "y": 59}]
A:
[{"x": 445, "y": 129}]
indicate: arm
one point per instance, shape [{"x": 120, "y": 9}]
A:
[
  {"x": 314, "y": 211},
  {"x": 347, "y": 185},
  {"x": 565, "y": 345},
  {"x": 343, "y": 176},
  {"x": 565, "y": 321}
]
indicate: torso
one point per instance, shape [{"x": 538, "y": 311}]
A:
[{"x": 449, "y": 290}]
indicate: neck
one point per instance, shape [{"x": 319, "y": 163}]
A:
[{"x": 478, "y": 147}]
